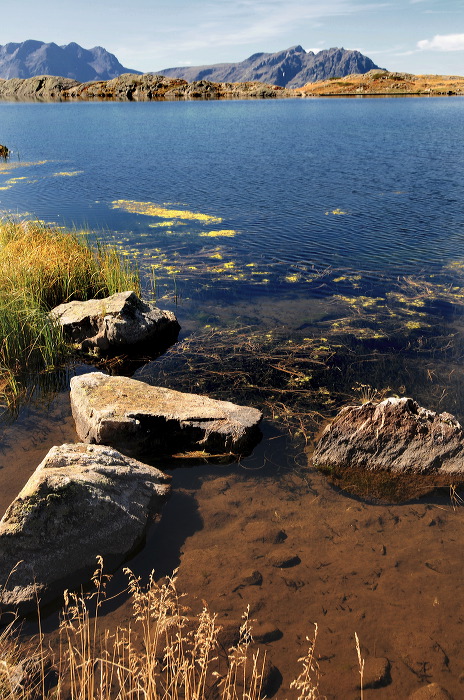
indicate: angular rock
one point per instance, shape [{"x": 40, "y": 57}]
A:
[
  {"x": 137, "y": 418},
  {"x": 265, "y": 632},
  {"x": 376, "y": 672},
  {"x": 284, "y": 559},
  {"x": 116, "y": 323},
  {"x": 396, "y": 435},
  {"x": 82, "y": 501}
]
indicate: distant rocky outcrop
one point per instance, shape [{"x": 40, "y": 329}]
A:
[
  {"x": 395, "y": 435},
  {"x": 142, "y": 88},
  {"x": 133, "y": 87},
  {"x": 291, "y": 68},
  {"x": 116, "y": 324},
  {"x": 140, "y": 419},
  {"x": 81, "y": 502},
  {"x": 31, "y": 58}
]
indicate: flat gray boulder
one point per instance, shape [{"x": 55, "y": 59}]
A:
[
  {"x": 395, "y": 435},
  {"x": 115, "y": 323},
  {"x": 82, "y": 501},
  {"x": 137, "y": 418}
]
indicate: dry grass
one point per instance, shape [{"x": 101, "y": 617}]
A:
[
  {"x": 53, "y": 265},
  {"x": 41, "y": 267},
  {"x": 160, "y": 654},
  {"x": 387, "y": 83}
]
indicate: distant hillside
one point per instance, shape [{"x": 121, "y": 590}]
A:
[
  {"x": 378, "y": 82},
  {"x": 31, "y": 58},
  {"x": 291, "y": 68}
]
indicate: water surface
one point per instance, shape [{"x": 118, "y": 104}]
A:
[{"x": 313, "y": 252}]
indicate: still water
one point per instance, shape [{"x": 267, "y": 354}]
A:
[
  {"x": 313, "y": 251},
  {"x": 273, "y": 171}
]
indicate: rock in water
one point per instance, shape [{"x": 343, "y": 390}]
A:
[
  {"x": 116, "y": 323},
  {"x": 82, "y": 501},
  {"x": 137, "y": 418},
  {"x": 396, "y": 435}
]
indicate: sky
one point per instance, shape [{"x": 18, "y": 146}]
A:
[{"x": 416, "y": 36}]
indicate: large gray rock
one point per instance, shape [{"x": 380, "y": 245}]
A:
[
  {"x": 116, "y": 322},
  {"x": 138, "y": 418},
  {"x": 396, "y": 435},
  {"x": 82, "y": 501}
]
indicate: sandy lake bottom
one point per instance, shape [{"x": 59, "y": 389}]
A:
[{"x": 389, "y": 573}]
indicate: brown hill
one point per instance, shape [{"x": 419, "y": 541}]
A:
[{"x": 377, "y": 82}]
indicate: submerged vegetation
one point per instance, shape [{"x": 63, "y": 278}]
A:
[{"x": 41, "y": 267}]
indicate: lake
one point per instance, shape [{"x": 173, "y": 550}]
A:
[{"x": 313, "y": 251}]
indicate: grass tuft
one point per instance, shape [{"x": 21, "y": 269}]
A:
[{"x": 41, "y": 267}]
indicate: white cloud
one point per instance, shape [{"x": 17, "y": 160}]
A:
[{"x": 443, "y": 42}]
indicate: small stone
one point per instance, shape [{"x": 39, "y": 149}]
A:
[
  {"x": 265, "y": 632},
  {"x": 376, "y": 672},
  {"x": 260, "y": 532},
  {"x": 284, "y": 560},
  {"x": 253, "y": 579},
  {"x": 433, "y": 691}
]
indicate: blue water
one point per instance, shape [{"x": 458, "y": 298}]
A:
[{"x": 273, "y": 171}]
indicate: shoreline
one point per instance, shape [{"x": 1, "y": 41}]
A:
[{"x": 148, "y": 87}]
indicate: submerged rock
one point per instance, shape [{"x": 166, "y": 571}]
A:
[
  {"x": 115, "y": 323},
  {"x": 396, "y": 435},
  {"x": 82, "y": 501},
  {"x": 139, "y": 419},
  {"x": 433, "y": 691},
  {"x": 376, "y": 672}
]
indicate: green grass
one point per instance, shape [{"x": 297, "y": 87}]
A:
[{"x": 41, "y": 267}]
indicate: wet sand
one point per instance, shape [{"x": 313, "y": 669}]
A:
[{"x": 389, "y": 573}]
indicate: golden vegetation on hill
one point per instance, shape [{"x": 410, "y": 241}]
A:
[{"x": 378, "y": 82}]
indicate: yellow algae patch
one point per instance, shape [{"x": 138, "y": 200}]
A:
[
  {"x": 7, "y": 187},
  {"x": 292, "y": 278},
  {"x": 6, "y": 167},
  {"x": 166, "y": 223},
  {"x": 337, "y": 212},
  {"x": 347, "y": 278},
  {"x": 216, "y": 256},
  {"x": 150, "y": 209},
  {"x": 72, "y": 173},
  {"x": 14, "y": 180},
  {"x": 217, "y": 234}
]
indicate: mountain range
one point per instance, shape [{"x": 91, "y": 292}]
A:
[
  {"x": 30, "y": 58},
  {"x": 291, "y": 68}
]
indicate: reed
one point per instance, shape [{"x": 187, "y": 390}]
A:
[
  {"x": 41, "y": 267},
  {"x": 163, "y": 652}
]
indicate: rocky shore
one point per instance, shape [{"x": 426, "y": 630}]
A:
[
  {"x": 142, "y": 88},
  {"x": 131, "y": 87}
]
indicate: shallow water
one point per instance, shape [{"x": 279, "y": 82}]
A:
[{"x": 334, "y": 271}]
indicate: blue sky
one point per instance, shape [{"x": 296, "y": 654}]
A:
[{"x": 418, "y": 36}]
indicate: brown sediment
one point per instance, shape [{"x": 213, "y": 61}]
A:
[{"x": 389, "y": 572}]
